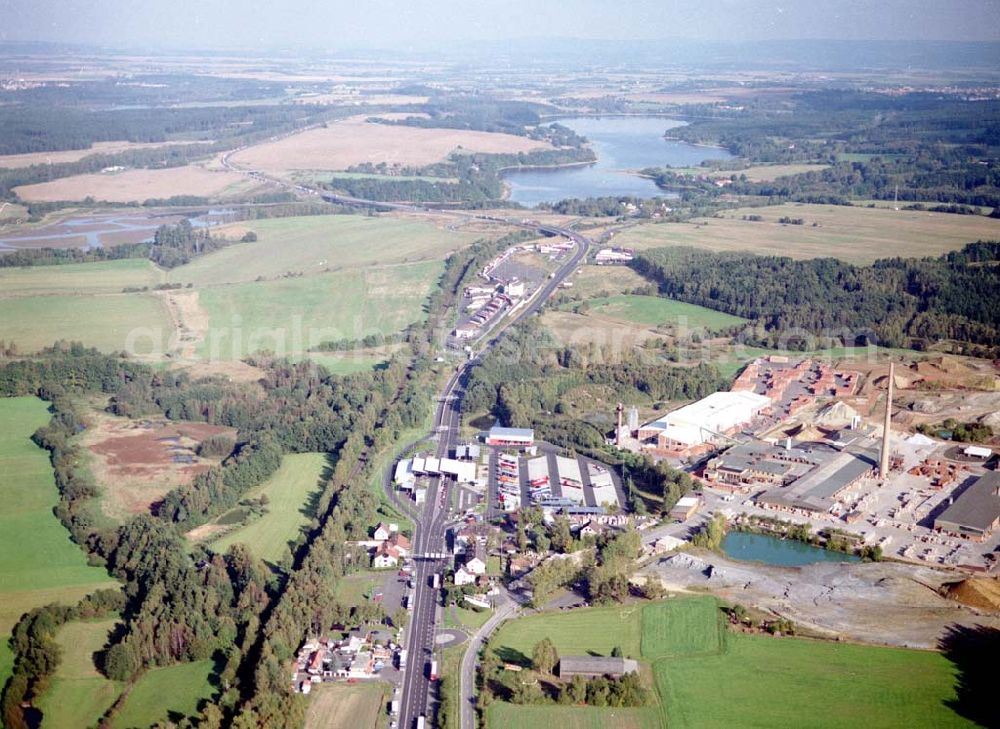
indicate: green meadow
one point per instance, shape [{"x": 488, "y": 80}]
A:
[
  {"x": 38, "y": 562},
  {"x": 288, "y": 492}
]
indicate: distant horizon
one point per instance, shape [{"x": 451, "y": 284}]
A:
[{"x": 436, "y": 24}]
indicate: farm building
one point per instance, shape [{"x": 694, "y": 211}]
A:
[
  {"x": 593, "y": 666},
  {"x": 976, "y": 511},
  {"x": 514, "y": 437},
  {"x": 704, "y": 421}
]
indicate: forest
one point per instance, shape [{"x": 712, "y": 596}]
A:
[
  {"x": 523, "y": 380},
  {"x": 895, "y": 302}
]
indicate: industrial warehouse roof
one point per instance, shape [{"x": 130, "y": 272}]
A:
[
  {"x": 978, "y": 506},
  {"x": 720, "y": 411},
  {"x": 568, "y": 665},
  {"x": 499, "y": 432},
  {"x": 815, "y": 490}
]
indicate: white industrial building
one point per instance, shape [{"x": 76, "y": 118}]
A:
[
  {"x": 603, "y": 485},
  {"x": 570, "y": 480},
  {"x": 704, "y": 421}
]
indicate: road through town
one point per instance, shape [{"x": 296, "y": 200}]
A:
[{"x": 432, "y": 522}]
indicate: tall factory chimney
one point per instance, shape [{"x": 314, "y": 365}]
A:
[
  {"x": 883, "y": 465},
  {"x": 618, "y": 431}
]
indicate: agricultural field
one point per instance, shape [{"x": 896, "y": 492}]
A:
[
  {"x": 137, "y": 462},
  {"x": 13, "y": 161},
  {"x": 855, "y": 234},
  {"x": 575, "y": 330},
  {"x": 317, "y": 244},
  {"x": 820, "y": 685},
  {"x": 291, "y": 316},
  {"x": 709, "y": 677},
  {"x": 754, "y": 173},
  {"x": 607, "y": 280},
  {"x": 657, "y": 311},
  {"x": 348, "y": 706},
  {"x": 38, "y": 562},
  {"x": 353, "y": 141},
  {"x": 578, "y": 632},
  {"x": 101, "y": 277},
  {"x": 682, "y": 627},
  {"x": 289, "y": 492},
  {"x": 79, "y": 695},
  {"x": 167, "y": 692},
  {"x": 501, "y": 714},
  {"x": 135, "y": 322},
  {"x": 139, "y": 185},
  {"x": 344, "y": 363}
]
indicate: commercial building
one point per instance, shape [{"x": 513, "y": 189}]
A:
[
  {"x": 975, "y": 514},
  {"x": 706, "y": 421},
  {"x": 602, "y": 484},
  {"x": 593, "y": 666},
  {"x": 570, "y": 479},
  {"x": 512, "y": 437},
  {"x": 685, "y": 508}
]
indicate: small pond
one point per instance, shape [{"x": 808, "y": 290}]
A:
[{"x": 779, "y": 552}]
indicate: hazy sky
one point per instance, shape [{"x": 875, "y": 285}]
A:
[{"x": 337, "y": 24}]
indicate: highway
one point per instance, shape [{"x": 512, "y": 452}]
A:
[{"x": 431, "y": 524}]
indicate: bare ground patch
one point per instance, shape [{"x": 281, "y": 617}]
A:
[
  {"x": 139, "y": 185},
  {"x": 138, "y": 461},
  {"x": 354, "y": 140}
]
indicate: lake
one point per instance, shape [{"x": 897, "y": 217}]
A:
[
  {"x": 779, "y": 552},
  {"x": 621, "y": 144}
]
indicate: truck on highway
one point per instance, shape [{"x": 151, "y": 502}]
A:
[
  {"x": 402, "y": 658},
  {"x": 436, "y": 580},
  {"x": 432, "y": 671},
  {"x": 421, "y": 722},
  {"x": 395, "y": 707}
]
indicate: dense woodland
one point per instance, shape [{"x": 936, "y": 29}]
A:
[
  {"x": 523, "y": 382},
  {"x": 896, "y": 302}
]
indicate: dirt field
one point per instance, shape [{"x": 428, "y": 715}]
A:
[
  {"x": 138, "y": 185},
  {"x": 139, "y": 461},
  {"x": 343, "y": 706},
  {"x": 13, "y": 161},
  {"x": 879, "y": 602},
  {"x": 855, "y": 234},
  {"x": 190, "y": 321},
  {"x": 353, "y": 141}
]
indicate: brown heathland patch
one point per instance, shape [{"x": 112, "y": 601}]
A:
[
  {"x": 13, "y": 161},
  {"x": 138, "y": 462},
  {"x": 354, "y": 140},
  {"x": 139, "y": 185}
]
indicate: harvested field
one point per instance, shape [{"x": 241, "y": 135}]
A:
[
  {"x": 137, "y": 462},
  {"x": 858, "y": 235},
  {"x": 13, "y": 161},
  {"x": 354, "y": 140},
  {"x": 607, "y": 280},
  {"x": 346, "y": 706},
  {"x": 572, "y": 330},
  {"x": 140, "y": 185}
]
